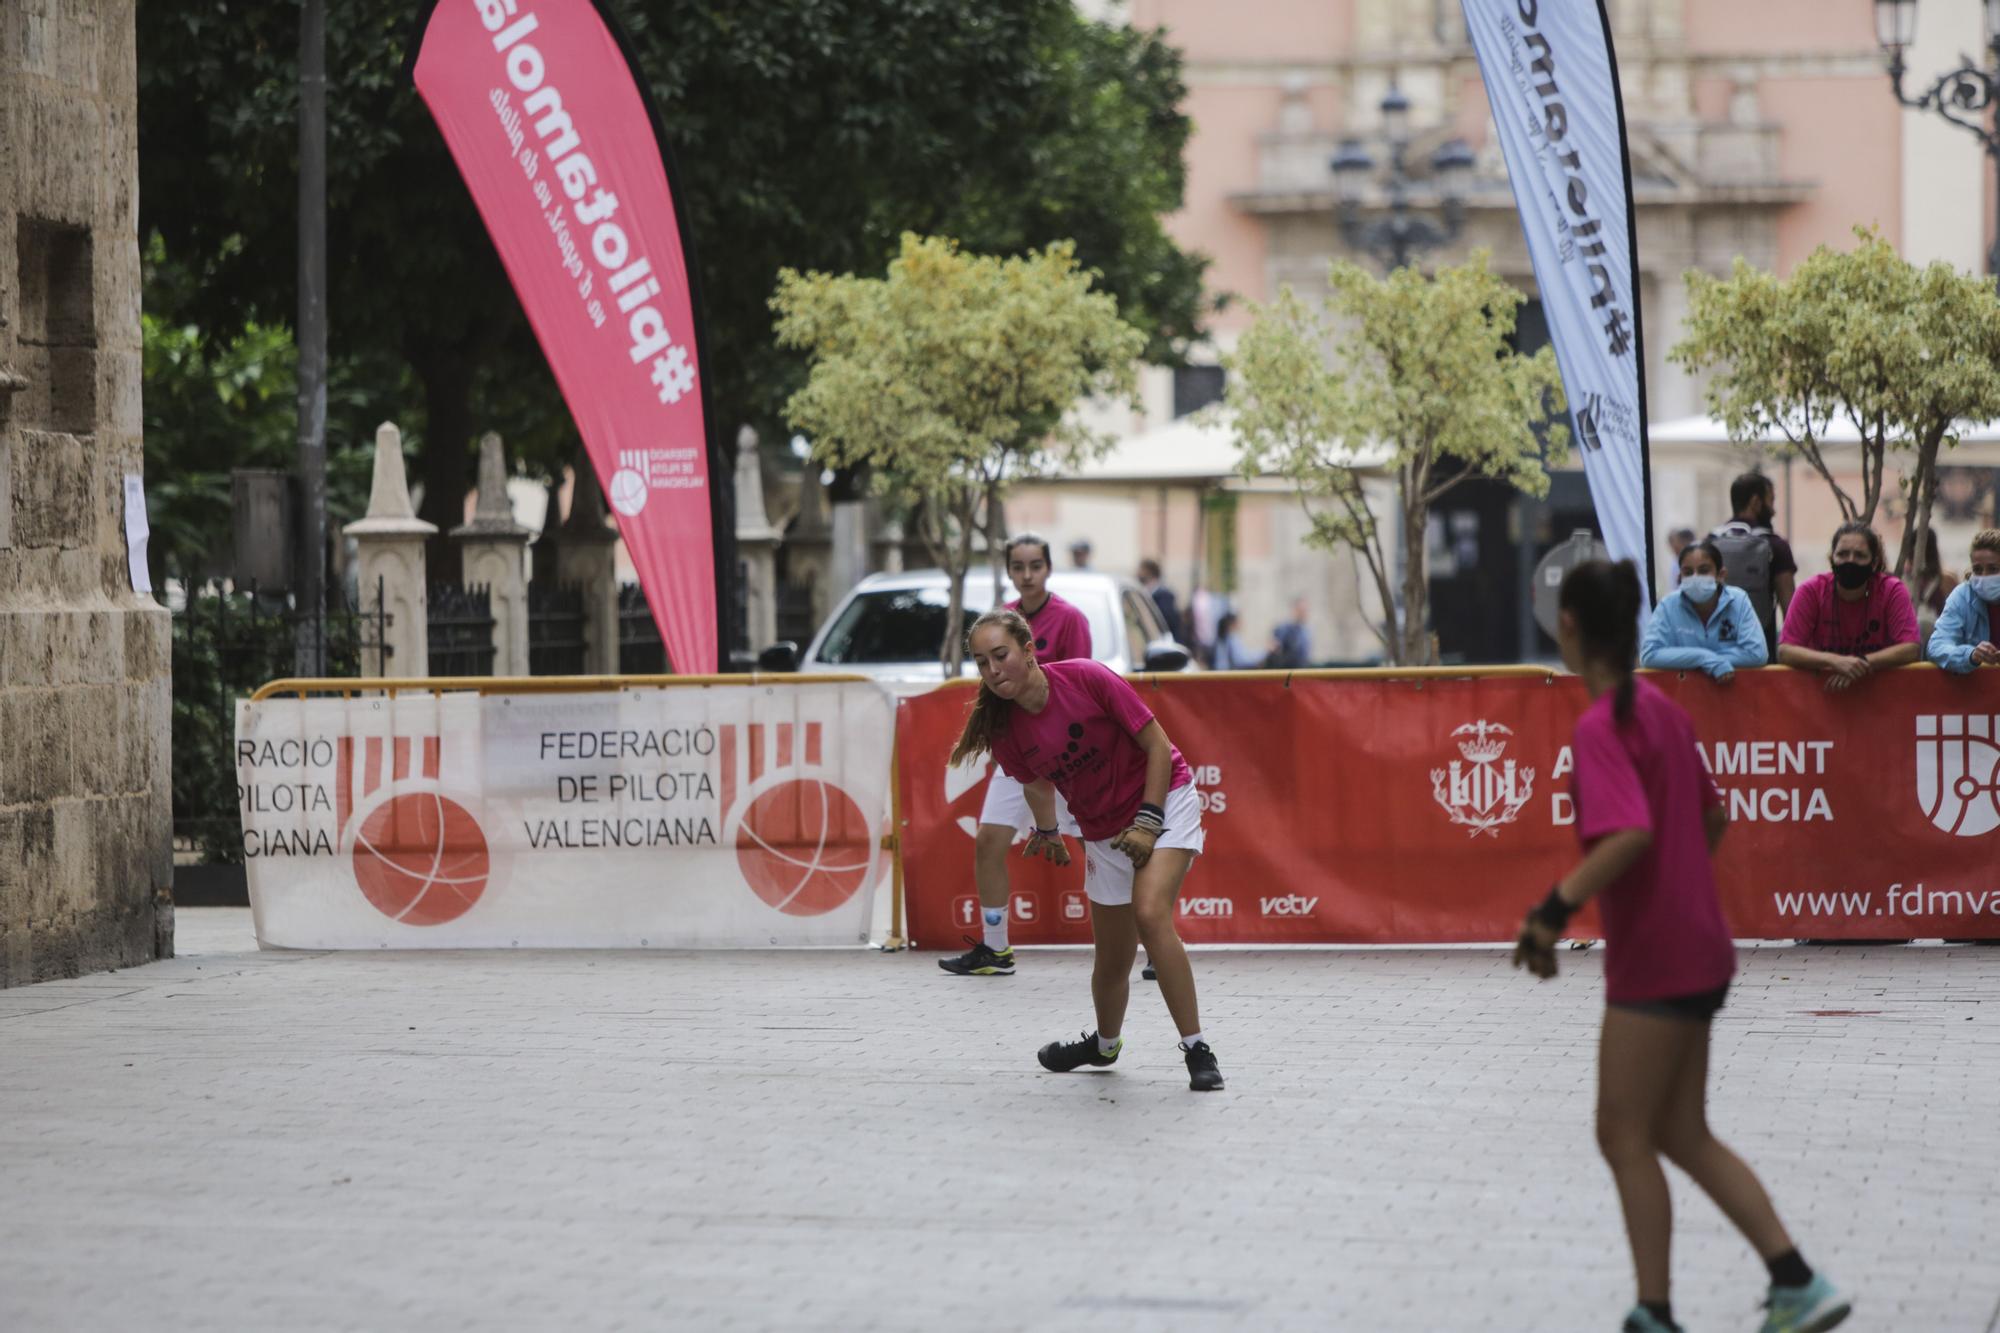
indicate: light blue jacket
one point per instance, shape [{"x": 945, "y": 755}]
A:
[
  {"x": 1966, "y": 622},
  {"x": 1676, "y": 638}
]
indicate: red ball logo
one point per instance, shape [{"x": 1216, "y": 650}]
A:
[
  {"x": 804, "y": 847},
  {"x": 421, "y": 859}
]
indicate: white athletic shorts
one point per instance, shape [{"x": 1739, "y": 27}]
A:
[
  {"x": 1108, "y": 872},
  {"x": 1007, "y": 803}
]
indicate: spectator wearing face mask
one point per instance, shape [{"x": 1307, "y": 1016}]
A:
[
  {"x": 1704, "y": 624},
  {"x": 1964, "y": 636},
  {"x": 1855, "y": 619}
]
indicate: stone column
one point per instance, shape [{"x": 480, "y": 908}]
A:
[
  {"x": 848, "y": 562},
  {"x": 494, "y": 552},
  {"x": 86, "y": 814},
  {"x": 808, "y": 544},
  {"x": 886, "y": 543},
  {"x": 584, "y": 556},
  {"x": 756, "y": 544},
  {"x": 392, "y": 576}
]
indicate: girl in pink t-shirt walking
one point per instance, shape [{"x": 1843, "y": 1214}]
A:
[
  {"x": 1077, "y": 728},
  {"x": 1650, "y": 818}
]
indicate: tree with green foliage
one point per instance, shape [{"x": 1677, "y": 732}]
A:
[
  {"x": 1422, "y": 384},
  {"x": 953, "y": 377},
  {"x": 809, "y": 133},
  {"x": 218, "y": 400},
  {"x": 1904, "y": 354}
]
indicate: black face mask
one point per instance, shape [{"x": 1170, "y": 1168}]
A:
[{"x": 1851, "y": 577}]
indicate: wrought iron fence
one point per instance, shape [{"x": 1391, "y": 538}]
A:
[
  {"x": 459, "y": 620},
  {"x": 640, "y": 652},
  {"x": 555, "y": 629},
  {"x": 795, "y": 613},
  {"x": 226, "y": 643}
]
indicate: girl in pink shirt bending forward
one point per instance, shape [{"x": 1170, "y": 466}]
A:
[
  {"x": 1649, "y": 817},
  {"x": 1077, "y": 728}
]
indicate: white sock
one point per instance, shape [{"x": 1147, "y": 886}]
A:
[
  {"x": 994, "y": 921},
  {"x": 1190, "y": 1041},
  {"x": 1106, "y": 1045}
]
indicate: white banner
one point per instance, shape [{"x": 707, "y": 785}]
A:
[
  {"x": 1552, "y": 81},
  {"x": 658, "y": 818}
]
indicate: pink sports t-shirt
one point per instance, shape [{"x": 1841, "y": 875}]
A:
[
  {"x": 1061, "y": 631},
  {"x": 1820, "y": 620},
  {"x": 1664, "y": 931},
  {"x": 1083, "y": 742}
]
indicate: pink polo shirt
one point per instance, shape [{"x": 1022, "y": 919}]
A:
[
  {"x": 1820, "y": 620},
  {"x": 1083, "y": 742},
  {"x": 1061, "y": 631},
  {"x": 1664, "y": 932}
]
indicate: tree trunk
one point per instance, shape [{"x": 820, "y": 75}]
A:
[
  {"x": 1874, "y": 451},
  {"x": 1811, "y": 453},
  {"x": 996, "y": 539},
  {"x": 1413, "y": 639},
  {"x": 951, "y": 653},
  {"x": 447, "y": 456},
  {"x": 1923, "y": 484}
]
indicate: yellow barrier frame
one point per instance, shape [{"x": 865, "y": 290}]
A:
[{"x": 892, "y": 841}]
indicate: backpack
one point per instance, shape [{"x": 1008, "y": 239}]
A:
[{"x": 1746, "y": 558}]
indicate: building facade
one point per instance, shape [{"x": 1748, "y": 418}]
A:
[{"x": 1758, "y": 131}]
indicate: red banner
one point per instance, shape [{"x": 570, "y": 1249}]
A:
[
  {"x": 1346, "y": 810},
  {"x": 557, "y": 144}
]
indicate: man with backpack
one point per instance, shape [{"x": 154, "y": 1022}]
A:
[{"x": 1759, "y": 561}]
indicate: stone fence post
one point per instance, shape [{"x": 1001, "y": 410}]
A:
[
  {"x": 495, "y": 551},
  {"x": 756, "y": 545},
  {"x": 585, "y": 557},
  {"x": 391, "y": 540}
]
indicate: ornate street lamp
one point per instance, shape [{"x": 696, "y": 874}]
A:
[
  {"x": 1962, "y": 96},
  {"x": 1397, "y": 237}
]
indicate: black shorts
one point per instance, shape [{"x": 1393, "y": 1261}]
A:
[{"x": 1696, "y": 1008}]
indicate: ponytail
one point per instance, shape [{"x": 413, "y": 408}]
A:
[
  {"x": 988, "y": 715},
  {"x": 1604, "y": 598}
]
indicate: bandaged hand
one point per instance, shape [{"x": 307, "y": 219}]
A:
[
  {"x": 1541, "y": 929},
  {"x": 1047, "y": 843},
  {"x": 1137, "y": 843},
  {"x": 1536, "y": 948}
]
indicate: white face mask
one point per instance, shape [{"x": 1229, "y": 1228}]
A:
[
  {"x": 1700, "y": 588},
  {"x": 1986, "y": 587}
]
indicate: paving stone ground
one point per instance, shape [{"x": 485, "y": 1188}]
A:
[{"x": 852, "y": 1140}]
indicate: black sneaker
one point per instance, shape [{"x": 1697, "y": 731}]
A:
[
  {"x": 1147, "y": 973},
  {"x": 1060, "y": 1057},
  {"x": 980, "y": 961},
  {"x": 1203, "y": 1073}
]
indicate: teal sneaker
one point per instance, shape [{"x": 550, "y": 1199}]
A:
[
  {"x": 1813, "y": 1308},
  {"x": 1642, "y": 1320}
]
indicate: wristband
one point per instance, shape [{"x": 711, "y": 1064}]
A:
[
  {"x": 1553, "y": 911},
  {"x": 1150, "y": 819},
  {"x": 1049, "y": 832},
  {"x": 1148, "y": 808}
]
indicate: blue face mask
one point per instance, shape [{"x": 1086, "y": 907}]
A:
[
  {"x": 1700, "y": 588},
  {"x": 1986, "y": 587}
]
